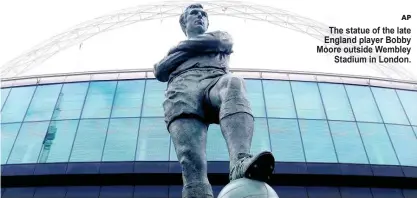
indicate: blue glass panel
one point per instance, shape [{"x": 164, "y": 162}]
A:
[
  {"x": 89, "y": 141},
  {"x": 128, "y": 98},
  {"x": 377, "y": 144},
  {"x": 409, "y": 193},
  {"x": 348, "y": 142},
  {"x": 14, "y": 109},
  {"x": 286, "y": 140},
  {"x": 386, "y": 193},
  {"x": 8, "y": 136},
  {"x": 260, "y": 139},
  {"x": 70, "y": 101},
  {"x": 116, "y": 191},
  {"x": 348, "y": 192},
  {"x": 408, "y": 100},
  {"x": 18, "y": 193},
  {"x": 307, "y": 100},
  {"x": 318, "y": 145},
  {"x": 151, "y": 192},
  {"x": 153, "y": 141},
  {"x": 4, "y": 94},
  {"x": 154, "y": 97},
  {"x": 363, "y": 104},
  {"x": 175, "y": 191},
  {"x": 43, "y": 103},
  {"x": 278, "y": 99},
  {"x": 58, "y": 141},
  {"x": 336, "y": 102},
  {"x": 121, "y": 140},
  {"x": 390, "y": 106},
  {"x": 405, "y": 144},
  {"x": 323, "y": 192},
  {"x": 415, "y": 130},
  {"x": 99, "y": 100},
  {"x": 83, "y": 191},
  {"x": 28, "y": 143},
  {"x": 216, "y": 144},
  {"x": 50, "y": 192},
  {"x": 291, "y": 191},
  {"x": 255, "y": 96}
]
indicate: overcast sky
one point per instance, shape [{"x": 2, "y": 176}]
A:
[{"x": 25, "y": 23}]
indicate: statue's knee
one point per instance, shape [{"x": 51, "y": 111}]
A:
[
  {"x": 235, "y": 82},
  {"x": 191, "y": 158}
]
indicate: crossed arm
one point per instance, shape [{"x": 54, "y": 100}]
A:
[{"x": 214, "y": 42}]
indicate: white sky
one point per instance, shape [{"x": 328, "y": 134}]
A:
[{"x": 25, "y": 23}]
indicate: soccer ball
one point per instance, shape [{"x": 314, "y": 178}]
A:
[{"x": 247, "y": 188}]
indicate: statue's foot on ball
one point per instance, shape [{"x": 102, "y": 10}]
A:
[{"x": 259, "y": 167}]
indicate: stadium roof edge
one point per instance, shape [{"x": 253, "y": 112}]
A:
[{"x": 243, "y": 72}]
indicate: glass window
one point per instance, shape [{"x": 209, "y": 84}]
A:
[
  {"x": 415, "y": 130},
  {"x": 43, "y": 103},
  {"x": 8, "y": 136},
  {"x": 4, "y": 94},
  {"x": 335, "y": 101},
  {"x": 291, "y": 191},
  {"x": 405, "y": 144},
  {"x": 386, "y": 193},
  {"x": 153, "y": 141},
  {"x": 286, "y": 140},
  {"x": 278, "y": 99},
  {"x": 121, "y": 140},
  {"x": 255, "y": 96},
  {"x": 354, "y": 192},
  {"x": 128, "y": 98},
  {"x": 58, "y": 141},
  {"x": 70, "y": 101},
  {"x": 390, "y": 106},
  {"x": 318, "y": 144},
  {"x": 89, "y": 141},
  {"x": 307, "y": 100},
  {"x": 28, "y": 143},
  {"x": 408, "y": 100},
  {"x": 50, "y": 192},
  {"x": 363, "y": 103},
  {"x": 260, "y": 139},
  {"x": 323, "y": 192},
  {"x": 216, "y": 144},
  {"x": 99, "y": 100},
  {"x": 377, "y": 144},
  {"x": 151, "y": 192},
  {"x": 24, "y": 192},
  {"x": 348, "y": 142},
  {"x": 14, "y": 109},
  {"x": 116, "y": 191},
  {"x": 83, "y": 191},
  {"x": 154, "y": 97}
]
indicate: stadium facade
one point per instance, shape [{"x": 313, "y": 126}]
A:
[{"x": 103, "y": 135}]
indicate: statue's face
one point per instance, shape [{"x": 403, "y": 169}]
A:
[{"x": 196, "y": 21}]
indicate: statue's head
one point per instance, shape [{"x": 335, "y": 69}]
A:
[{"x": 194, "y": 20}]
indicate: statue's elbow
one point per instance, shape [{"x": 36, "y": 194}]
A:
[{"x": 160, "y": 77}]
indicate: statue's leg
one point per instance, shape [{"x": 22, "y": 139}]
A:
[
  {"x": 237, "y": 125},
  {"x": 189, "y": 136}
]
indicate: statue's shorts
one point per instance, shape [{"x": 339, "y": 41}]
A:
[{"x": 187, "y": 95}]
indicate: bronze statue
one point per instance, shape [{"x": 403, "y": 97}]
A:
[{"x": 201, "y": 91}]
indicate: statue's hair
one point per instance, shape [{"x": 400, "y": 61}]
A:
[{"x": 184, "y": 15}]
